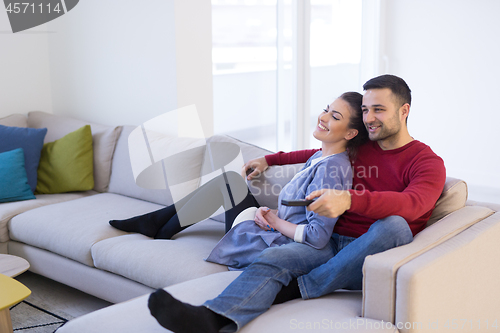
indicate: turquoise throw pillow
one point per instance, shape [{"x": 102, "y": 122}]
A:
[
  {"x": 13, "y": 178},
  {"x": 31, "y": 141}
]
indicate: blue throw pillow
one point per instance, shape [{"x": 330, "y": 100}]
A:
[
  {"x": 31, "y": 141},
  {"x": 13, "y": 179}
]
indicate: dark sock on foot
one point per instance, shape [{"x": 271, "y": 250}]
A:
[
  {"x": 170, "y": 228},
  {"x": 287, "y": 293},
  {"x": 146, "y": 224},
  {"x": 181, "y": 317}
]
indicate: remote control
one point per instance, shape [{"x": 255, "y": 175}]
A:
[{"x": 302, "y": 202}]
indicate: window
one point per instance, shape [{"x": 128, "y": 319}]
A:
[
  {"x": 244, "y": 70},
  {"x": 335, "y": 52},
  {"x": 277, "y": 63}
]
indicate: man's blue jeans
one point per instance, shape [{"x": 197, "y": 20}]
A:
[{"x": 337, "y": 266}]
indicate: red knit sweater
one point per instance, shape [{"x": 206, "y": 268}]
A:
[{"x": 406, "y": 181}]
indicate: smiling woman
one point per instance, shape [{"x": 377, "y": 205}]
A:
[{"x": 355, "y": 122}]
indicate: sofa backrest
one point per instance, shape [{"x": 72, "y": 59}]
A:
[
  {"x": 453, "y": 198},
  {"x": 122, "y": 178},
  {"x": 248, "y": 150},
  {"x": 195, "y": 168},
  {"x": 103, "y": 140},
  {"x": 16, "y": 120},
  {"x": 267, "y": 187}
]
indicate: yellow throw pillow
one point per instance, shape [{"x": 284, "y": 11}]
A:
[{"x": 67, "y": 164}]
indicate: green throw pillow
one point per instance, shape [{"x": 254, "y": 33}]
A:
[{"x": 67, "y": 164}]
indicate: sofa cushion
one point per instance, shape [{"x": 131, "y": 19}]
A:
[
  {"x": 104, "y": 141},
  {"x": 161, "y": 158},
  {"x": 267, "y": 187},
  {"x": 160, "y": 262},
  {"x": 337, "y": 312},
  {"x": 247, "y": 152},
  {"x": 17, "y": 120},
  {"x": 122, "y": 178},
  {"x": 13, "y": 179},
  {"x": 31, "y": 141},
  {"x": 71, "y": 228},
  {"x": 66, "y": 165},
  {"x": 453, "y": 198},
  {"x": 10, "y": 209}
]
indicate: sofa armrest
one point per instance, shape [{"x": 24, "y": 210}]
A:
[
  {"x": 380, "y": 270},
  {"x": 493, "y": 206},
  {"x": 455, "y": 283}
]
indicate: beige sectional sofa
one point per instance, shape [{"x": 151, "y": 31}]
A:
[
  {"x": 447, "y": 274},
  {"x": 66, "y": 236}
]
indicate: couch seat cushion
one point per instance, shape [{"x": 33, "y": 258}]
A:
[
  {"x": 10, "y": 209},
  {"x": 159, "y": 263},
  {"x": 338, "y": 312},
  {"x": 71, "y": 228}
]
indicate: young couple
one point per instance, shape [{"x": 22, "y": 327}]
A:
[{"x": 323, "y": 248}]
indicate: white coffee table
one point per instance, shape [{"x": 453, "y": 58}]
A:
[{"x": 12, "y": 265}]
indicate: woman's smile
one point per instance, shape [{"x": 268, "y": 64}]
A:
[{"x": 322, "y": 127}]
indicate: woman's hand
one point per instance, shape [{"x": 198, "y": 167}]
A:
[
  {"x": 272, "y": 220},
  {"x": 277, "y": 224},
  {"x": 258, "y": 166},
  {"x": 260, "y": 219}
]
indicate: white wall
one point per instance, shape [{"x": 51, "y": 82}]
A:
[
  {"x": 125, "y": 62},
  {"x": 448, "y": 52},
  {"x": 193, "y": 49},
  {"x": 24, "y": 69},
  {"x": 114, "y": 63},
  {"x": 111, "y": 62}
]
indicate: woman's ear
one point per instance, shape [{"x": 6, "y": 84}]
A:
[{"x": 351, "y": 134}]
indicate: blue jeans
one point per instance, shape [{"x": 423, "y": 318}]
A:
[{"x": 319, "y": 272}]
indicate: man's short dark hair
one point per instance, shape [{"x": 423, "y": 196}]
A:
[{"x": 396, "y": 84}]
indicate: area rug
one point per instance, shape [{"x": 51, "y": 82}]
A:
[{"x": 31, "y": 318}]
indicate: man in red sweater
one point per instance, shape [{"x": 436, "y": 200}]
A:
[{"x": 397, "y": 181}]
